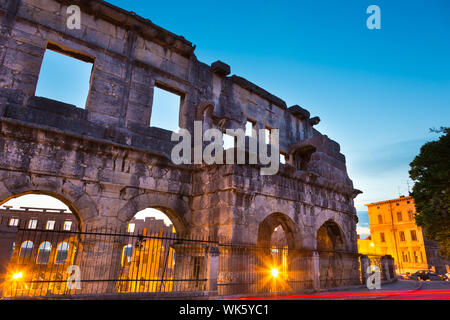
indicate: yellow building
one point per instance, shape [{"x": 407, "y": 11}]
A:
[{"x": 394, "y": 232}]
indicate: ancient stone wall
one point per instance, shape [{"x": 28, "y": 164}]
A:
[{"x": 106, "y": 161}]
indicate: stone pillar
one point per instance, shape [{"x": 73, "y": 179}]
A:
[
  {"x": 315, "y": 270},
  {"x": 213, "y": 254},
  {"x": 99, "y": 258},
  {"x": 391, "y": 266},
  {"x": 385, "y": 268},
  {"x": 364, "y": 263},
  {"x": 7, "y": 236}
]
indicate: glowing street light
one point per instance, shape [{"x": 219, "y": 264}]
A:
[
  {"x": 274, "y": 272},
  {"x": 17, "y": 276}
]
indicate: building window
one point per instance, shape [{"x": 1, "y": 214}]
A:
[
  {"x": 413, "y": 235},
  {"x": 131, "y": 227},
  {"x": 282, "y": 158},
  {"x": 404, "y": 256},
  {"x": 67, "y": 225},
  {"x": 13, "y": 222},
  {"x": 25, "y": 249},
  {"x": 410, "y": 215},
  {"x": 267, "y": 135},
  {"x": 380, "y": 219},
  {"x": 65, "y": 76},
  {"x": 250, "y": 128},
  {"x": 62, "y": 252},
  {"x": 228, "y": 141},
  {"x": 416, "y": 258},
  {"x": 402, "y": 236},
  {"x": 44, "y": 252},
  {"x": 382, "y": 237},
  {"x": 50, "y": 225},
  {"x": 399, "y": 216},
  {"x": 127, "y": 255},
  {"x": 165, "y": 108},
  {"x": 32, "y": 224}
]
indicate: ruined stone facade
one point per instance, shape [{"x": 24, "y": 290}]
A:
[{"x": 106, "y": 162}]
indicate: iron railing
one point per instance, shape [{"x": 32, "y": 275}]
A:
[
  {"x": 114, "y": 261},
  {"x": 104, "y": 260}
]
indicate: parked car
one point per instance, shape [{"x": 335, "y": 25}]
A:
[
  {"x": 448, "y": 276},
  {"x": 419, "y": 275},
  {"x": 432, "y": 276},
  {"x": 426, "y": 275}
]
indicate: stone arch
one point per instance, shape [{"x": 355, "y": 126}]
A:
[
  {"x": 330, "y": 218},
  {"x": 204, "y": 112},
  {"x": 171, "y": 205},
  {"x": 331, "y": 245},
  {"x": 205, "y": 108},
  {"x": 332, "y": 233},
  {"x": 268, "y": 225},
  {"x": 14, "y": 185}
]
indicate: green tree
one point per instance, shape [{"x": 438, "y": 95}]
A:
[{"x": 430, "y": 171}]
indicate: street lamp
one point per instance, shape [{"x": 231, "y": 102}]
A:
[{"x": 274, "y": 272}]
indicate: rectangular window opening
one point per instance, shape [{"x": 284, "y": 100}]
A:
[
  {"x": 32, "y": 224},
  {"x": 250, "y": 126},
  {"x": 65, "y": 76},
  {"x": 50, "y": 225},
  {"x": 166, "y": 108},
  {"x": 228, "y": 141},
  {"x": 267, "y": 135},
  {"x": 13, "y": 222},
  {"x": 67, "y": 225}
]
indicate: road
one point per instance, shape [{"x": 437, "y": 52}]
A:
[{"x": 399, "y": 290}]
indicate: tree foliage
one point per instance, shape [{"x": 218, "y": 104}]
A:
[{"x": 431, "y": 192}]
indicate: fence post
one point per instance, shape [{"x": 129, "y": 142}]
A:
[
  {"x": 365, "y": 263},
  {"x": 7, "y": 236},
  {"x": 315, "y": 263},
  {"x": 213, "y": 254}
]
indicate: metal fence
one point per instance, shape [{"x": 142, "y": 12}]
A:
[
  {"x": 105, "y": 261},
  {"x": 252, "y": 269},
  {"x": 60, "y": 262}
]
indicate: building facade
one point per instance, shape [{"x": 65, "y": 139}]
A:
[{"x": 393, "y": 231}]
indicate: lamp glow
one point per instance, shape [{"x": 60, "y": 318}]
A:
[
  {"x": 274, "y": 272},
  {"x": 17, "y": 276}
]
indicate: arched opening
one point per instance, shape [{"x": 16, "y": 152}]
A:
[
  {"x": 44, "y": 206},
  {"x": 276, "y": 230},
  {"x": 48, "y": 231},
  {"x": 62, "y": 253},
  {"x": 44, "y": 252},
  {"x": 330, "y": 246},
  {"x": 26, "y": 249},
  {"x": 276, "y": 252},
  {"x": 148, "y": 254}
]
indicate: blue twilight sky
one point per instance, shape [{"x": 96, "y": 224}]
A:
[{"x": 377, "y": 91}]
